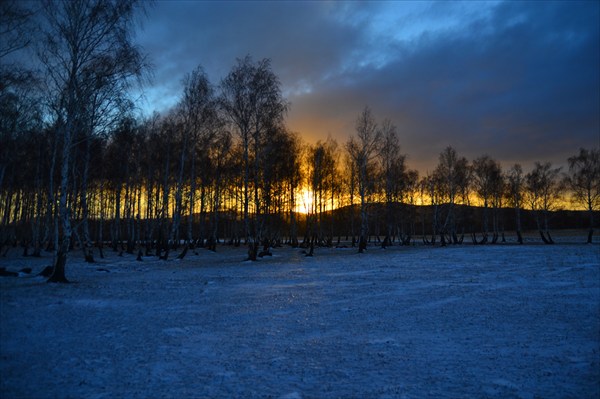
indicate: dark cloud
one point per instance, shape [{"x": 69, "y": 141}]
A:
[
  {"x": 516, "y": 80},
  {"x": 302, "y": 39}
]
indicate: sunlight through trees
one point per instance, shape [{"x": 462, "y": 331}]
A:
[{"x": 80, "y": 171}]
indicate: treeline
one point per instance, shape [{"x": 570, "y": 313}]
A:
[{"x": 79, "y": 169}]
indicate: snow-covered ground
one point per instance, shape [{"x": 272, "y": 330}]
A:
[{"x": 491, "y": 321}]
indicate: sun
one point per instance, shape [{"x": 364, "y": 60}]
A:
[{"x": 304, "y": 201}]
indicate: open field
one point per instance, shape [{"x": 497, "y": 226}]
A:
[{"x": 491, "y": 321}]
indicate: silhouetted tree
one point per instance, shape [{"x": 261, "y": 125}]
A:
[
  {"x": 583, "y": 179},
  {"x": 450, "y": 177},
  {"x": 516, "y": 182},
  {"x": 488, "y": 184},
  {"x": 498, "y": 193},
  {"x": 393, "y": 175},
  {"x": 20, "y": 117},
  {"x": 151, "y": 151},
  {"x": 16, "y": 26},
  {"x": 294, "y": 179},
  {"x": 120, "y": 172},
  {"x": 428, "y": 188},
  {"x": 410, "y": 190},
  {"x": 322, "y": 169},
  {"x": 197, "y": 111},
  {"x": 222, "y": 163},
  {"x": 350, "y": 179},
  {"x": 86, "y": 52},
  {"x": 274, "y": 171},
  {"x": 363, "y": 149},
  {"x": 252, "y": 102},
  {"x": 332, "y": 184},
  {"x": 543, "y": 190}
]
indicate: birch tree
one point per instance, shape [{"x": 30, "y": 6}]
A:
[
  {"x": 199, "y": 123},
  {"x": 393, "y": 170},
  {"x": 16, "y": 26},
  {"x": 543, "y": 191},
  {"x": 516, "y": 181},
  {"x": 363, "y": 149},
  {"x": 583, "y": 179},
  {"x": 450, "y": 176},
  {"x": 488, "y": 185},
  {"x": 252, "y": 101},
  {"x": 86, "y": 50}
]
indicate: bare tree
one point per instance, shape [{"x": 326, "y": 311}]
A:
[
  {"x": 20, "y": 114},
  {"x": 17, "y": 111},
  {"x": 16, "y": 26},
  {"x": 167, "y": 137},
  {"x": 199, "y": 124},
  {"x": 294, "y": 178},
  {"x": 350, "y": 177},
  {"x": 516, "y": 182},
  {"x": 488, "y": 184},
  {"x": 498, "y": 193},
  {"x": 410, "y": 190},
  {"x": 273, "y": 172},
  {"x": 321, "y": 159},
  {"x": 393, "y": 175},
  {"x": 120, "y": 172},
  {"x": 252, "y": 101},
  {"x": 86, "y": 50},
  {"x": 583, "y": 179},
  {"x": 450, "y": 177},
  {"x": 543, "y": 191},
  {"x": 363, "y": 149},
  {"x": 320, "y": 168},
  {"x": 221, "y": 162},
  {"x": 429, "y": 190},
  {"x": 312, "y": 169}
]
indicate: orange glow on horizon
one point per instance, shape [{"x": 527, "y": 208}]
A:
[{"x": 304, "y": 201}]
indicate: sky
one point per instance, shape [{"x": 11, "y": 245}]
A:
[{"x": 518, "y": 81}]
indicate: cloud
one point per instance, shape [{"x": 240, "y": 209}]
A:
[
  {"x": 520, "y": 85},
  {"x": 516, "y": 80}
]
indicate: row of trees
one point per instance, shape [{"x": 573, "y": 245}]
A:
[
  {"x": 187, "y": 178},
  {"x": 378, "y": 172},
  {"x": 77, "y": 168}
]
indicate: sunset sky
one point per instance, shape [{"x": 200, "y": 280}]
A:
[{"x": 518, "y": 81}]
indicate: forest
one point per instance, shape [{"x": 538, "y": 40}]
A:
[{"x": 81, "y": 172}]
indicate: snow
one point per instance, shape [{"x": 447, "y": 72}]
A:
[{"x": 407, "y": 322}]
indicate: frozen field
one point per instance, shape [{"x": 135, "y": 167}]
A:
[{"x": 408, "y": 322}]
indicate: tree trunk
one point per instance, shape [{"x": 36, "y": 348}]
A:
[
  {"x": 116, "y": 222},
  {"x": 252, "y": 250},
  {"x": 362, "y": 242},
  {"x": 485, "y": 218},
  {"x": 58, "y": 274},
  {"x": 246, "y": 187},
  {"x": 519, "y": 237},
  {"x": 548, "y": 239},
  {"x": 192, "y": 200},
  {"x": 164, "y": 214},
  {"x": 212, "y": 241},
  {"x": 87, "y": 242},
  {"x": 591, "y": 231},
  {"x": 518, "y": 224},
  {"x": 293, "y": 227},
  {"x": 37, "y": 217},
  {"x": 178, "y": 196}
]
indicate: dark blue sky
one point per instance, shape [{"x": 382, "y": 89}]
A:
[{"x": 519, "y": 81}]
